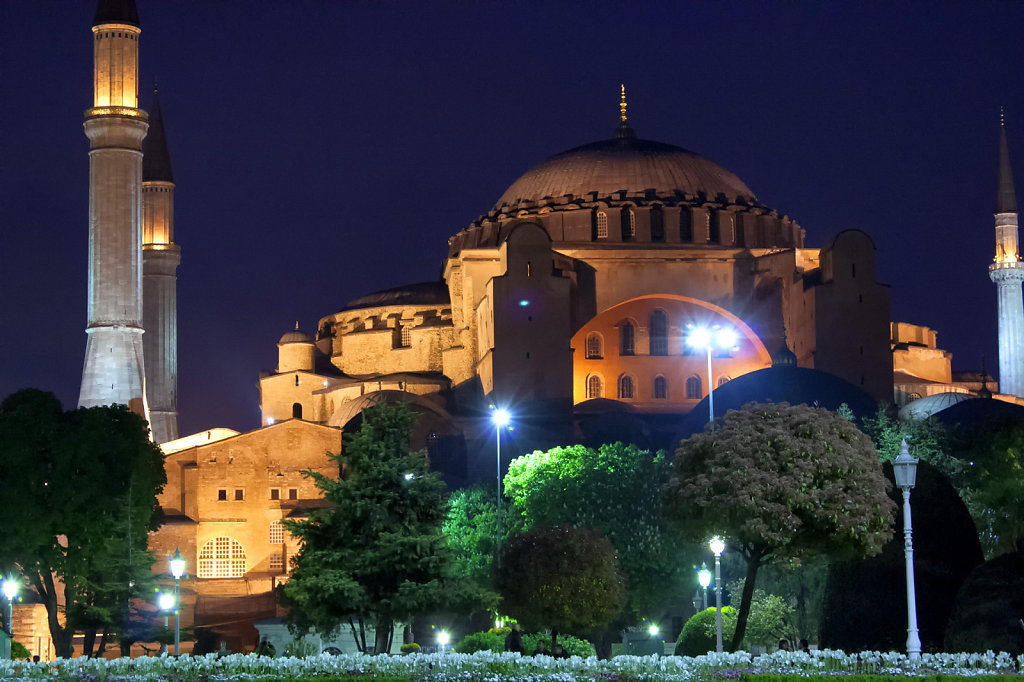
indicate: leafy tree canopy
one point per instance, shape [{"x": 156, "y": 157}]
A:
[
  {"x": 79, "y": 491},
  {"x": 377, "y": 554},
  {"x": 781, "y": 482},
  {"x": 471, "y": 528},
  {"x": 616, "y": 489},
  {"x": 563, "y": 578}
]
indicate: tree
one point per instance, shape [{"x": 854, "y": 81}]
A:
[
  {"x": 616, "y": 489},
  {"x": 928, "y": 440},
  {"x": 80, "y": 493},
  {"x": 377, "y": 554},
  {"x": 563, "y": 578},
  {"x": 470, "y": 528},
  {"x": 781, "y": 482}
]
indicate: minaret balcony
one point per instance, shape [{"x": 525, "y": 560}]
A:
[{"x": 128, "y": 112}]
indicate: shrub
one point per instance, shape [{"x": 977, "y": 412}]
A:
[
  {"x": 481, "y": 641},
  {"x": 573, "y": 646},
  {"x": 301, "y": 648},
  {"x": 410, "y": 648},
  {"x": 19, "y": 650},
  {"x": 699, "y": 635}
]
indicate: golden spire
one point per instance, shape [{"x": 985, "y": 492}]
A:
[{"x": 622, "y": 102}]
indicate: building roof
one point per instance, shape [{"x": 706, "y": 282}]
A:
[
  {"x": 930, "y": 405},
  {"x": 625, "y": 163},
  {"x": 295, "y": 336},
  {"x": 421, "y": 293},
  {"x": 116, "y": 12},
  {"x": 156, "y": 161}
]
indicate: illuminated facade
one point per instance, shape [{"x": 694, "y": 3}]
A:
[{"x": 1007, "y": 272}]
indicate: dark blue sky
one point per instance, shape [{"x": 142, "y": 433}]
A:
[{"x": 323, "y": 150}]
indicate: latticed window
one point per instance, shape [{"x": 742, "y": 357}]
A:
[
  {"x": 693, "y": 391},
  {"x": 406, "y": 336},
  {"x": 627, "y": 336},
  {"x": 594, "y": 346},
  {"x": 277, "y": 562},
  {"x": 276, "y": 533},
  {"x": 631, "y": 222},
  {"x": 660, "y": 388},
  {"x": 659, "y": 333},
  {"x": 593, "y": 386},
  {"x": 602, "y": 225},
  {"x": 222, "y": 558},
  {"x": 626, "y": 387}
]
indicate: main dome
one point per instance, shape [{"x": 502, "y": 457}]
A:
[{"x": 625, "y": 163}]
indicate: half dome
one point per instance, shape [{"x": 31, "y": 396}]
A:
[{"x": 625, "y": 163}]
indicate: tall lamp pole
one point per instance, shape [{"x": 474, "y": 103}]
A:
[
  {"x": 704, "y": 576},
  {"x": 718, "y": 546},
  {"x": 501, "y": 418},
  {"x": 904, "y": 469},
  {"x": 10, "y": 592},
  {"x": 177, "y": 570},
  {"x": 708, "y": 339}
]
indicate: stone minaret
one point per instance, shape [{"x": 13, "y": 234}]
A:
[
  {"x": 160, "y": 258},
  {"x": 1007, "y": 272},
  {"x": 115, "y": 126}
]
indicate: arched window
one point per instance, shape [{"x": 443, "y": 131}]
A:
[
  {"x": 628, "y": 223},
  {"x": 722, "y": 381},
  {"x": 594, "y": 350},
  {"x": 685, "y": 225},
  {"x": 405, "y": 336},
  {"x": 602, "y": 225},
  {"x": 659, "y": 333},
  {"x": 660, "y": 388},
  {"x": 296, "y": 410},
  {"x": 627, "y": 336},
  {"x": 626, "y": 387},
  {"x": 714, "y": 232},
  {"x": 222, "y": 557},
  {"x": 594, "y": 387},
  {"x": 657, "y": 224},
  {"x": 693, "y": 388}
]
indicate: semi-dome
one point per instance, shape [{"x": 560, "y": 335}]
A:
[{"x": 625, "y": 163}]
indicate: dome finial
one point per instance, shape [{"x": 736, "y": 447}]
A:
[
  {"x": 296, "y": 325},
  {"x": 622, "y": 102},
  {"x": 1002, "y": 117}
]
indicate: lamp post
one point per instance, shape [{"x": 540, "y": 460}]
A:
[
  {"x": 165, "y": 602},
  {"x": 177, "y": 570},
  {"x": 704, "y": 577},
  {"x": 501, "y": 418},
  {"x": 10, "y": 592},
  {"x": 718, "y": 546},
  {"x": 904, "y": 469},
  {"x": 708, "y": 339}
]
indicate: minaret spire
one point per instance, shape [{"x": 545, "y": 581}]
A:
[
  {"x": 160, "y": 259},
  {"x": 623, "y": 132},
  {"x": 622, "y": 103},
  {"x": 115, "y": 125},
  {"x": 1007, "y": 272}
]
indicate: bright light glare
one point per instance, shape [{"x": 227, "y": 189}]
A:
[
  {"x": 699, "y": 338},
  {"x": 726, "y": 338},
  {"x": 652, "y": 630},
  {"x": 442, "y": 638},
  {"x": 704, "y": 576},
  {"x": 501, "y": 417},
  {"x": 717, "y": 545},
  {"x": 177, "y": 564},
  {"x": 165, "y": 601},
  {"x": 10, "y": 588},
  {"x": 408, "y": 477}
]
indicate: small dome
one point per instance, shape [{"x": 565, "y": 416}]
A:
[
  {"x": 922, "y": 408},
  {"x": 295, "y": 336},
  {"x": 626, "y": 163}
]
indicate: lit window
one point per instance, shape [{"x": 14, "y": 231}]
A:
[
  {"x": 660, "y": 388},
  {"x": 276, "y": 533},
  {"x": 626, "y": 338},
  {"x": 594, "y": 350},
  {"x": 693, "y": 388},
  {"x": 659, "y": 333},
  {"x": 594, "y": 386},
  {"x": 626, "y": 387},
  {"x": 602, "y": 225},
  {"x": 630, "y": 222},
  {"x": 222, "y": 558}
]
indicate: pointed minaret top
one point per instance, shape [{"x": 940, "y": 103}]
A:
[
  {"x": 116, "y": 12},
  {"x": 156, "y": 161},
  {"x": 1007, "y": 201},
  {"x": 622, "y": 103}
]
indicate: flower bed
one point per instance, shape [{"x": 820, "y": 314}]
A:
[{"x": 485, "y": 666}]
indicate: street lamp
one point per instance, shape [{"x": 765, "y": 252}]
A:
[
  {"x": 501, "y": 418},
  {"x": 708, "y": 339},
  {"x": 904, "y": 468},
  {"x": 704, "y": 577},
  {"x": 165, "y": 602},
  {"x": 10, "y": 592},
  {"x": 442, "y": 640},
  {"x": 177, "y": 570},
  {"x": 718, "y": 546}
]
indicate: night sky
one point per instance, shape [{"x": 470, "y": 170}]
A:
[{"x": 324, "y": 150}]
